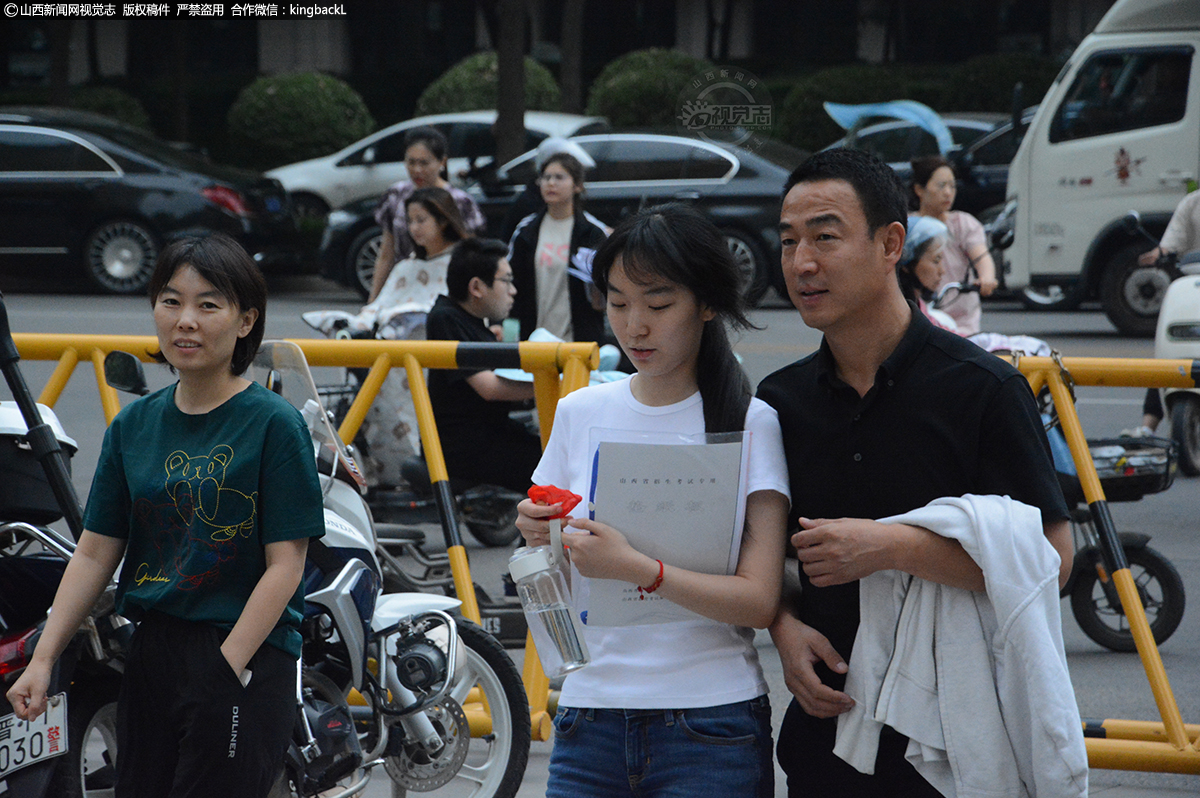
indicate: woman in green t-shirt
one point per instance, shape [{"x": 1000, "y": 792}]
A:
[{"x": 208, "y": 491}]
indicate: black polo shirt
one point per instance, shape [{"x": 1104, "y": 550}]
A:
[
  {"x": 459, "y": 410},
  {"x": 944, "y": 418}
]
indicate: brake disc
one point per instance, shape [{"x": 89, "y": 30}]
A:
[{"x": 415, "y": 769}]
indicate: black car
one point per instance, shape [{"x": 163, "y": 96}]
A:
[
  {"x": 738, "y": 189},
  {"x": 983, "y": 167},
  {"x": 350, "y": 244},
  {"x": 85, "y": 191}
]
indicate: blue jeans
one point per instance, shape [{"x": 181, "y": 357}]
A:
[{"x": 663, "y": 753}]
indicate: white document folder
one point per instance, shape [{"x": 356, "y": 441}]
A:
[{"x": 676, "y": 498}]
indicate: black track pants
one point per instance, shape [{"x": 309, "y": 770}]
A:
[{"x": 187, "y": 728}]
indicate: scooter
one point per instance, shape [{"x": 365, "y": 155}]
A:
[
  {"x": 489, "y": 511},
  {"x": 70, "y": 749},
  {"x": 420, "y": 680},
  {"x": 1178, "y": 336},
  {"x": 1128, "y": 468}
]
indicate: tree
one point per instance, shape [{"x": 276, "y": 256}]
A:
[
  {"x": 510, "y": 100},
  {"x": 571, "y": 66},
  {"x": 58, "y": 31}
]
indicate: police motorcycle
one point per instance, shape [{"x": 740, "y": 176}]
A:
[
  {"x": 69, "y": 751},
  {"x": 393, "y": 680}
]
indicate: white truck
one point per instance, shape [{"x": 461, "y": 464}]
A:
[{"x": 1119, "y": 130}]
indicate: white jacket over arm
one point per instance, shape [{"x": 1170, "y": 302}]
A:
[{"x": 977, "y": 681}]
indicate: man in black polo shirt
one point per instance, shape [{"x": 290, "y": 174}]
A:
[
  {"x": 889, "y": 414},
  {"x": 481, "y": 444}
]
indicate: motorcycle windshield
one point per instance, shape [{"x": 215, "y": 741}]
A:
[{"x": 282, "y": 368}]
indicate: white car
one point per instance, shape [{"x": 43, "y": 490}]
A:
[{"x": 370, "y": 166}]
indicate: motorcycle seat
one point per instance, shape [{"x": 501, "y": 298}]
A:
[{"x": 399, "y": 533}]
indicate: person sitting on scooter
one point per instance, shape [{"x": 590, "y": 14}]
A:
[
  {"x": 1181, "y": 237},
  {"x": 481, "y": 444},
  {"x": 434, "y": 226},
  {"x": 920, "y": 269},
  {"x": 208, "y": 491}
]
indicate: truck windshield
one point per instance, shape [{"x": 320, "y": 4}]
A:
[{"x": 1124, "y": 90}]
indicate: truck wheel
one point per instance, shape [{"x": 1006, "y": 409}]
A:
[
  {"x": 1185, "y": 431},
  {"x": 1132, "y": 294}
]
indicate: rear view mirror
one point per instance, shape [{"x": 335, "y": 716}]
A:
[
  {"x": 1132, "y": 222},
  {"x": 124, "y": 372}
]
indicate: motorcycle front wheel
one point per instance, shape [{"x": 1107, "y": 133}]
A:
[
  {"x": 1159, "y": 586},
  {"x": 492, "y": 694}
]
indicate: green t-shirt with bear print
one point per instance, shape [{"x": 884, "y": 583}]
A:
[{"x": 198, "y": 497}]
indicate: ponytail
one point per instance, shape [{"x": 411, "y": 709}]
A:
[{"x": 724, "y": 388}]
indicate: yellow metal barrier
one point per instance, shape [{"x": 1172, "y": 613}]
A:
[
  {"x": 544, "y": 360},
  {"x": 1169, "y": 746},
  {"x": 1117, "y": 744}
]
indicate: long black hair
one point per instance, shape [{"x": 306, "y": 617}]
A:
[
  {"x": 439, "y": 203},
  {"x": 675, "y": 243}
]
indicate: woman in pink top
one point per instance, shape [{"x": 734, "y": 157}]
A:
[{"x": 965, "y": 254}]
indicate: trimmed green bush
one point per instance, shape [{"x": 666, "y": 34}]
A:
[
  {"x": 285, "y": 118},
  {"x": 985, "y": 83},
  {"x": 472, "y": 85},
  {"x": 801, "y": 119},
  {"x": 111, "y": 102},
  {"x": 642, "y": 88}
]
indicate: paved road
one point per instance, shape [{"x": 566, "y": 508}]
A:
[{"x": 1107, "y": 684}]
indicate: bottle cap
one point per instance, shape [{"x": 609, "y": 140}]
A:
[{"x": 526, "y": 562}]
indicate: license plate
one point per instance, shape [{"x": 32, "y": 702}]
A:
[{"x": 27, "y": 742}]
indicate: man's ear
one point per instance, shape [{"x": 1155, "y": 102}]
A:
[
  {"x": 476, "y": 288},
  {"x": 892, "y": 239}
]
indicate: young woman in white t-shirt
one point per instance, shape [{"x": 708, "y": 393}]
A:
[{"x": 671, "y": 708}]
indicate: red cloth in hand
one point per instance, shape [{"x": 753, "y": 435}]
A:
[{"x": 548, "y": 494}]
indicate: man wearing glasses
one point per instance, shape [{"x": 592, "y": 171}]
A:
[{"x": 481, "y": 444}]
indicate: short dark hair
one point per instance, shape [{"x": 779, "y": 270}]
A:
[
  {"x": 431, "y": 137},
  {"x": 473, "y": 257},
  {"x": 876, "y": 185},
  {"x": 224, "y": 263}
]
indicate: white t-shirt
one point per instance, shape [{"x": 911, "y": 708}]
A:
[
  {"x": 1183, "y": 232},
  {"x": 670, "y": 665},
  {"x": 412, "y": 286},
  {"x": 550, "y": 266}
]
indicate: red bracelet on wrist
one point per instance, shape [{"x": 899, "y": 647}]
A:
[{"x": 644, "y": 591}]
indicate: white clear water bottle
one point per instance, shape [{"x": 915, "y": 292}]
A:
[{"x": 546, "y": 600}]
